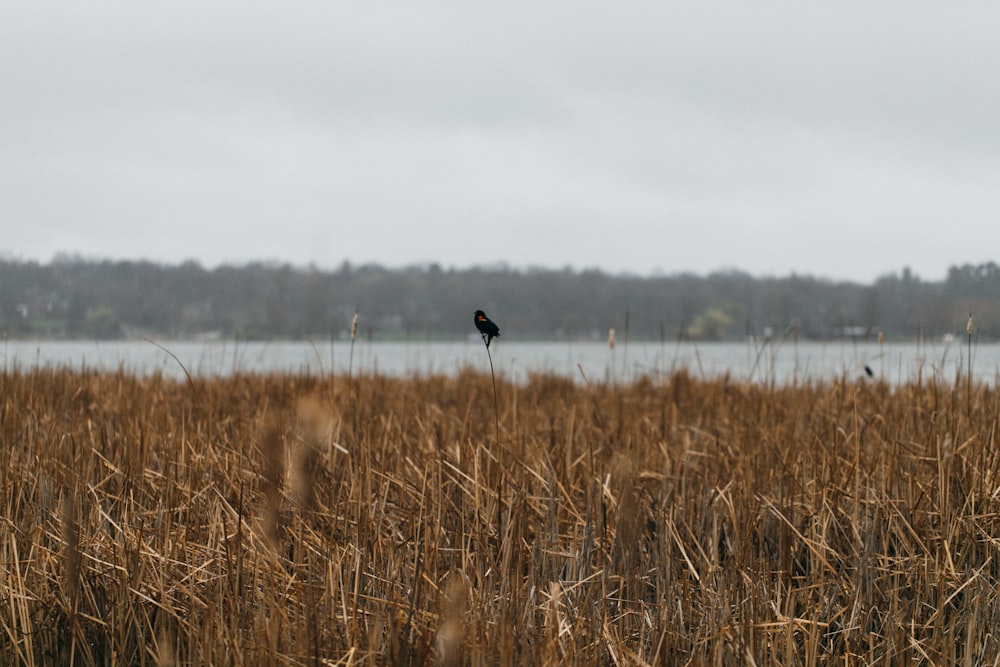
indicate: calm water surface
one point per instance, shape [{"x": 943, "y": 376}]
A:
[{"x": 782, "y": 363}]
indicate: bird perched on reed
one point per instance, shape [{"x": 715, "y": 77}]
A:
[{"x": 487, "y": 327}]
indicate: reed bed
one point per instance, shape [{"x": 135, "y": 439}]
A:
[{"x": 294, "y": 520}]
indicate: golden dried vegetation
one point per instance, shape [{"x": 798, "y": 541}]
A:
[{"x": 296, "y": 520}]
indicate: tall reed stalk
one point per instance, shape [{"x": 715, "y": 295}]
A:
[
  {"x": 350, "y": 356},
  {"x": 968, "y": 370},
  {"x": 499, "y": 446},
  {"x": 352, "y": 385}
]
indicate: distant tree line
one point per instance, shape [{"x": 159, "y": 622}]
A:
[{"x": 75, "y": 298}]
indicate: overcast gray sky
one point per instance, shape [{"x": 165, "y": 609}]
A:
[{"x": 844, "y": 140}]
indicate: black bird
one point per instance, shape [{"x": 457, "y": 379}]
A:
[{"x": 487, "y": 327}]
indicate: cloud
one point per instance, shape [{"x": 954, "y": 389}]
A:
[{"x": 772, "y": 137}]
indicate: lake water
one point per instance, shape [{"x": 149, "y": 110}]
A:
[{"x": 780, "y": 362}]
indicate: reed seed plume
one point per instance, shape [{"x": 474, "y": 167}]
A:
[
  {"x": 272, "y": 445},
  {"x": 315, "y": 428},
  {"x": 454, "y": 605},
  {"x": 354, "y": 334},
  {"x": 164, "y": 650}
]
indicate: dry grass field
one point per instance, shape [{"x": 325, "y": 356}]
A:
[{"x": 293, "y": 520}]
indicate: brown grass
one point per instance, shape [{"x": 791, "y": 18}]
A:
[{"x": 295, "y": 521}]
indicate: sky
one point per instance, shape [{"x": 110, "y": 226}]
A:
[{"x": 843, "y": 140}]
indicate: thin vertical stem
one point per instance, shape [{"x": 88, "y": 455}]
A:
[
  {"x": 968, "y": 370},
  {"x": 496, "y": 405},
  {"x": 496, "y": 417}
]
